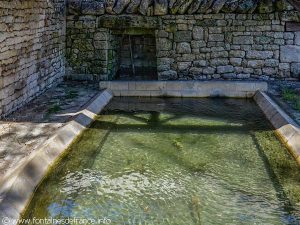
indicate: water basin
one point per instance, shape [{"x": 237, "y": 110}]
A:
[{"x": 174, "y": 161}]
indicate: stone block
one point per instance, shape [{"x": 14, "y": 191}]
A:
[
  {"x": 219, "y": 54},
  {"x": 186, "y": 58},
  {"x": 290, "y": 53},
  {"x": 168, "y": 75},
  {"x": 195, "y": 71},
  {"x": 163, "y": 67},
  {"x": 272, "y": 62},
  {"x": 229, "y": 75},
  {"x": 198, "y": 44},
  {"x": 255, "y": 63},
  {"x": 216, "y": 37},
  {"x": 164, "y": 61},
  {"x": 184, "y": 65},
  {"x": 263, "y": 40},
  {"x": 269, "y": 71},
  {"x": 209, "y": 70},
  {"x": 237, "y": 53},
  {"x": 101, "y": 36},
  {"x": 164, "y": 44},
  {"x": 219, "y": 62},
  {"x": 200, "y": 63},
  {"x": 235, "y": 61},
  {"x": 93, "y": 7},
  {"x": 160, "y": 7},
  {"x": 162, "y": 34},
  {"x": 184, "y": 48},
  {"x": 243, "y": 76},
  {"x": 297, "y": 38},
  {"x": 259, "y": 54},
  {"x": 198, "y": 33},
  {"x": 284, "y": 66},
  {"x": 243, "y": 40},
  {"x": 295, "y": 69},
  {"x": 100, "y": 44},
  {"x": 183, "y": 36},
  {"x": 225, "y": 69},
  {"x": 182, "y": 27},
  {"x": 288, "y": 35}
]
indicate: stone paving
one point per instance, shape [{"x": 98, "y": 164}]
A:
[{"x": 25, "y": 130}]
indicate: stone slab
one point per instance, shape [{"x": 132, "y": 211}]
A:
[
  {"x": 290, "y": 53},
  {"x": 17, "y": 189},
  {"x": 232, "y": 89},
  {"x": 285, "y": 127}
]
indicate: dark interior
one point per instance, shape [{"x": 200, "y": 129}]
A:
[{"x": 137, "y": 58}]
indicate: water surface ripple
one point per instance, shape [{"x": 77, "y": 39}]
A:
[{"x": 175, "y": 161}]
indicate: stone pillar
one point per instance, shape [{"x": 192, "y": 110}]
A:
[
  {"x": 102, "y": 45},
  {"x": 164, "y": 53},
  {"x": 114, "y": 49}
]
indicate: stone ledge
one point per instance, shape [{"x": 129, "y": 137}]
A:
[
  {"x": 17, "y": 189},
  {"x": 233, "y": 89},
  {"x": 285, "y": 127}
]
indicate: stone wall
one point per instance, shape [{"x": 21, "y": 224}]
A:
[
  {"x": 32, "y": 49},
  {"x": 213, "y": 46},
  {"x": 228, "y": 46}
]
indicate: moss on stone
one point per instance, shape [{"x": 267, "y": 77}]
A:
[
  {"x": 283, "y": 165},
  {"x": 83, "y": 45},
  {"x": 207, "y": 23},
  {"x": 172, "y": 27}
]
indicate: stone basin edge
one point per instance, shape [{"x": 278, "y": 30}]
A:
[{"x": 17, "y": 189}]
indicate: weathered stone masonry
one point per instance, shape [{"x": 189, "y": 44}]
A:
[
  {"x": 201, "y": 46},
  {"x": 32, "y": 49}
]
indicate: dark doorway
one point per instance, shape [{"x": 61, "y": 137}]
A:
[{"x": 137, "y": 58}]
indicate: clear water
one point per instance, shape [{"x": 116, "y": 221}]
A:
[{"x": 174, "y": 161}]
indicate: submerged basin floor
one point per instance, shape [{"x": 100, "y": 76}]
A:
[{"x": 174, "y": 161}]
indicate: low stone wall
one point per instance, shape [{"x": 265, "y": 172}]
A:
[
  {"x": 192, "y": 47},
  {"x": 32, "y": 49},
  {"x": 285, "y": 127},
  {"x": 185, "y": 89}
]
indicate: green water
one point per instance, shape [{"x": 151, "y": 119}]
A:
[{"x": 174, "y": 161}]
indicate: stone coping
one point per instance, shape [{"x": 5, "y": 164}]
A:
[
  {"x": 171, "y": 7},
  {"x": 233, "y": 89},
  {"x": 285, "y": 127},
  {"x": 17, "y": 190}
]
